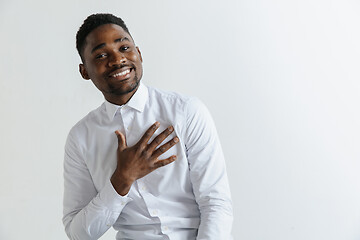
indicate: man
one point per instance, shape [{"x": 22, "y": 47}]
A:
[{"x": 162, "y": 174}]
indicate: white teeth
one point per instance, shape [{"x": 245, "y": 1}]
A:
[{"x": 122, "y": 73}]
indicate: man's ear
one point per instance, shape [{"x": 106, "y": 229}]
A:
[
  {"x": 137, "y": 48},
  {"x": 83, "y": 72}
]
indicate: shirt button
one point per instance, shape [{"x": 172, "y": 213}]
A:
[
  {"x": 154, "y": 212},
  {"x": 166, "y": 228}
]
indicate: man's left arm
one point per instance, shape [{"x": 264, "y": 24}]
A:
[{"x": 208, "y": 174}]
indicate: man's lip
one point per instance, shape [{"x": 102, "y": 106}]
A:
[{"x": 119, "y": 72}]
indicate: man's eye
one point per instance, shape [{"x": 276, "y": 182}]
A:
[
  {"x": 102, "y": 55},
  {"x": 124, "y": 48}
]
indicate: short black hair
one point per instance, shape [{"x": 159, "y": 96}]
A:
[{"x": 93, "y": 21}]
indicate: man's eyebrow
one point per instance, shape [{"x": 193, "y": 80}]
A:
[
  {"x": 122, "y": 39},
  {"x": 101, "y": 45},
  {"x": 97, "y": 47}
]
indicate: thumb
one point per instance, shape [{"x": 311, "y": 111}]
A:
[{"x": 121, "y": 140}]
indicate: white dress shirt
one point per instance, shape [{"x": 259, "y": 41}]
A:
[{"x": 187, "y": 199}]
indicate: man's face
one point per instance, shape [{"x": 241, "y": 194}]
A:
[{"x": 112, "y": 61}]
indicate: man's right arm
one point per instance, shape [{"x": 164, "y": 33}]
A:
[{"x": 88, "y": 214}]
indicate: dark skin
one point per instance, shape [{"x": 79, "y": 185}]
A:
[
  {"x": 110, "y": 51},
  {"x": 114, "y": 64}
]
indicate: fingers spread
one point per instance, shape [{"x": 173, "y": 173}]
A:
[
  {"x": 165, "y": 147},
  {"x": 148, "y": 134},
  {"x": 164, "y": 162},
  {"x": 160, "y": 138}
]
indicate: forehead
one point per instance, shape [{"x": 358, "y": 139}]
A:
[{"x": 106, "y": 33}]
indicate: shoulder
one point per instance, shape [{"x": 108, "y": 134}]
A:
[
  {"x": 177, "y": 100},
  {"x": 167, "y": 95},
  {"x": 188, "y": 111}
]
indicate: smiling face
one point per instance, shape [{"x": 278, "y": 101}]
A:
[{"x": 112, "y": 62}]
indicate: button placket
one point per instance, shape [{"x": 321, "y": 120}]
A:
[
  {"x": 143, "y": 190},
  {"x": 119, "y": 120},
  {"x": 128, "y": 119}
]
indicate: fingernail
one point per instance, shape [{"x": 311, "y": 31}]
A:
[
  {"x": 176, "y": 139},
  {"x": 173, "y": 158},
  {"x": 157, "y": 124},
  {"x": 170, "y": 128}
]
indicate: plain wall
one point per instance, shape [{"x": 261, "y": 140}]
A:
[{"x": 281, "y": 79}]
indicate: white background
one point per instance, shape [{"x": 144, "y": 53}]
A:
[{"x": 280, "y": 77}]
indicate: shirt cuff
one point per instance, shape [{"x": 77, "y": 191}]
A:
[{"x": 111, "y": 199}]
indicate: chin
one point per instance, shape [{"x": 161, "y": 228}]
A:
[{"x": 123, "y": 91}]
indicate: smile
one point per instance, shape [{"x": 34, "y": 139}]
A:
[{"x": 123, "y": 73}]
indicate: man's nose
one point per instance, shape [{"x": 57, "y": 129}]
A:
[{"x": 117, "y": 58}]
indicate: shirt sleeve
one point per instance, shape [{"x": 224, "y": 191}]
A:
[
  {"x": 87, "y": 213},
  {"x": 208, "y": 174}
]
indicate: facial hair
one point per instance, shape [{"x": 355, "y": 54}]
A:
[{"x": 119, "y": 92}]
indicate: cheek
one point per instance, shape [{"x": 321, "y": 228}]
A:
[
  {"x": 97, "y": 68},
  {"x": 134, "y": 57}
]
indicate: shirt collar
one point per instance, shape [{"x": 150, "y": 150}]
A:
[{"x": 137, "y": 102}]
